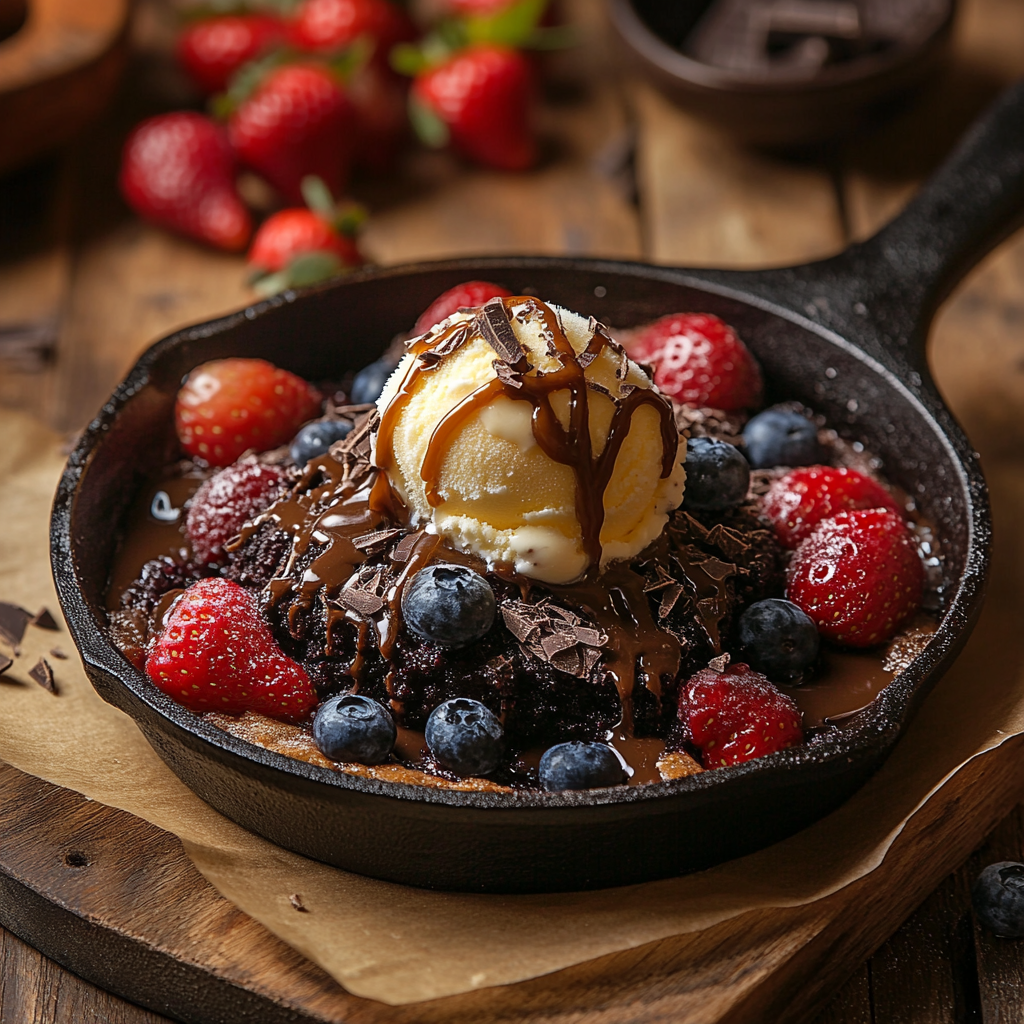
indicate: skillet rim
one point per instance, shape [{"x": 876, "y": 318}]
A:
[{"x": 884, "y": 720}]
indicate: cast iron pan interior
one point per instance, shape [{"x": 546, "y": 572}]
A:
[{"x": 846, "y": 336}]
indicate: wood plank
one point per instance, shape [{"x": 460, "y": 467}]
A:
[
  {"x": 1000, "y": 962},
  {"x": 885, "y": 166},
  {"x": 852, "y": 1003},
  {"x": 708, "y": 201},
  {"x": 35, "y": 990}
]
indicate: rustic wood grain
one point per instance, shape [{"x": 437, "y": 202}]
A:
[
  {"x": 707, "y": 201},
  {"x": 118, "y": 900},
  {"x": 999, "y": 962}
]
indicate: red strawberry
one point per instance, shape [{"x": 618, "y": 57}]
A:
[
  {"x": 217, "y": 654},
  {"x": 211, "y": 51},
  {"x": 228, "y": 406},
  {"x": 480, "y": 100},
  {"x": 178, "y": 170},
  {"x": 699, "y": 359},
  {"x": 858, "y": 576},
  {"x": 797, "y": 502},
  {"x": 223, "y": 503},
  {"x": 469, "y": 293},
  {"x": 737, "y": 715},
  {"x": 298, "y": 122},
  {"x": 331, "y": 25},
  {"x": 290, "y": 233}
]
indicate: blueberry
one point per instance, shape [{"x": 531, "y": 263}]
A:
[
  {"x": 354, "y": 728},
  {"x": 465, "y": 736},
  {"x": 448, "y": 604},
  {"x": 778, "y": 638},
  {"x": 998, "y": 899},
  {"x": 369, "y": 382},
  {"x": 579, "y": 765},
  {"x": 717, "y": 475},
  {"x": 315, "y": 438},
  {"x": 781, "y": 437}
]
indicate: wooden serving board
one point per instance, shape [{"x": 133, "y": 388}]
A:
[{"x": 117, "y": 901}]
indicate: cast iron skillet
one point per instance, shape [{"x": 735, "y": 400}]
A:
[{"x": 845, "y": 336}]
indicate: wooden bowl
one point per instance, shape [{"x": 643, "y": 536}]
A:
[{"x": 58, "y": 70}]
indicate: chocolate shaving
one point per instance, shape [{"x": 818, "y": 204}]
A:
[
  {"x": 717, "y": 569},
  {"x": 376, "y": 540},
  {"x": 5, "y": 663},
  {"x": 507, "y": 375},
  {"x": 405, "y": 547},
  {"x": 43, "y": 675},
  {"x": 720, "y": 663},
  {"x": 58, "y": 654},
  {"x": 356, "y": 444},
  {"x": 13, "y": 620},
  {"x": 453, "y": 340},
  {"x": 669, "y": 598},
  {"x": 497, "y": 330},
  {"x": 44, "y": 620},
  {"x": 296, "y": 901},
  {"x": 362, "y": 593},
  {"x": 555, "y": 635}
]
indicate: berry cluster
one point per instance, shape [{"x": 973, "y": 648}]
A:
[
  {"x": 853, "y": 578},
  {"x": 302, "y": 98}
]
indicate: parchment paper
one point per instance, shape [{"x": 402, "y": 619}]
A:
[{"x": 401, "y": 945}]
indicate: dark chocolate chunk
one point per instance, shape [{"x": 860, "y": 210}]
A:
[
  {"x": 13, "y": 620},
  {"x": 58, "y": 654},
  {"x": 43, "y": 675},
  {"x": 497, "y": 331},
  {"x": 376, "y": 540},
  {"x": 44, "y": 620}
]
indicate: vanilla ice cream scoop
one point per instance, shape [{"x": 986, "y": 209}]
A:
[{"x": 525, "y": 435}]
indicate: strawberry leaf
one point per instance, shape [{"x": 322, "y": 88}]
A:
[
  {"x": 429, "y": 127},
  {"x": 511, "y": 26},
  {"x": 407, "y": 59},
  {"x": 353, "y": 58},
  {"x": 349, "y": 218},
  {"x": 306, "y": 269},
  {"x": 318, "y": 197}
]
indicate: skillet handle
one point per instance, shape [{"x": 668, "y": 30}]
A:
[{"x": 884, "y": 292}]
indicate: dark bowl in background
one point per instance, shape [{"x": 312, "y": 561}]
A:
[{"x": 761, "y": 110}]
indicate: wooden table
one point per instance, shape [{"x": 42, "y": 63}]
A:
[{"x": 84, "y": 287}]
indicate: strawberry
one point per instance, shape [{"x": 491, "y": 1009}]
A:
[
  {"x": 479, "y": 101},
  {"x": 326, "y": 26},
  {"x": 290, "y": 233},
  {"x": 217, "y": 654},
  {"x": 858, "y": 576},
  {"x": 303, "y": 246},
  {"x": 797, "y": 502},
  {"x": 221, "y": 506},
  {"x": 699, "y": 359},
  {"x": 737, "y": 715},
  {"x": 469, "y": 293},
  {"x": 229, "y": 406},
  {"x": 212, "y": 50},
  {"x": 177, "y": 170},
  {"x": 298, "y": 121}
]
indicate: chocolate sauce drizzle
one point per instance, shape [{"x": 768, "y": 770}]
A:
[
  {"x": 347, "y": 506},
  {"x": 568, "y": 446}
]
